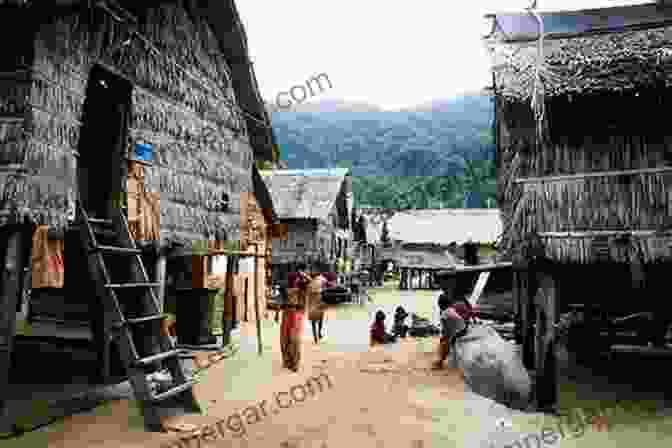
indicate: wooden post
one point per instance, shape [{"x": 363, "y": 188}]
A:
[
  {"x": 527, "y": 308},
  {"x": 160, "y": 277},
  {"x": 227, "y": 315},
  {"x": 256, "y": 303},
  {"x": 518, "y": 318},
  {"x": 13, "y": 261},
  {"x": 546, "y": 384},
  {"x": 247, "y": 317}
]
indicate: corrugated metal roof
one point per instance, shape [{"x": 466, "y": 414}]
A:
[
  {"x": 446, "y": 226},
  {"x": 522, "y": 26}
]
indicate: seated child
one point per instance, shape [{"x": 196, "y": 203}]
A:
[
  {"x": 400, "y": 327},
  {"x": 378, "y": 333}
]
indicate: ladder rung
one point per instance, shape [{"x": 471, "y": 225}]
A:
[
  {"x": 174, "y": 391},
  {"x": 139, "y": 320},
  {"x": 158, "y": 357},
  {"x": 117, "y": 250},
  {"x": 132, "y": 285},
  {"x": 107, "y": 222}
]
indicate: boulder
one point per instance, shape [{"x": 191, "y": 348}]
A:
[{"x": 491, "y": 367}]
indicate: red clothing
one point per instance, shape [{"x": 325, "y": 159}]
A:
[
  {"x": 332, "y": 279},
  {"x": 378, "y": 331},
  {"x": 464, "y": 310},
  {"x": 295, "y": 280}
]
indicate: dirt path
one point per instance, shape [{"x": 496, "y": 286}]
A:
[{"x": 344, "y": 395}]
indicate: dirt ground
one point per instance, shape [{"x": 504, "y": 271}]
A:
[{"x": 346, "y": 394}]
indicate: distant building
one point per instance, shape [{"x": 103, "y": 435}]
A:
[{"x": 315, "y": 207}]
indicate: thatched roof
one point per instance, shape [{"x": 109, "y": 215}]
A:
[
  {"x": 305, "y": 194},
  {"x": 590, "y": 51},
  {"x": 203, "y": 143},
  {"x": 445, "y": 226}
]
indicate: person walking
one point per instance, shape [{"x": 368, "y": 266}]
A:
[
  {"x": 315, "y": 305},
  {"x": 293, "y": 314}
]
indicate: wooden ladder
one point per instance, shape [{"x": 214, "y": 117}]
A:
[{"x": 133, "y": 318}]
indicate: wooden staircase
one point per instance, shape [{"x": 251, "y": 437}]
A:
[{"x": 133, "y": 318}]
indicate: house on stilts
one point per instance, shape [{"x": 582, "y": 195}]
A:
[
  {"x": 584, "y": 159},
  {"x": 128, "y": 132}
]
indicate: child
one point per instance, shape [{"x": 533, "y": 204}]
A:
[
  {"x": 378, "y": 333},
  {"x": 400, "y": 327},
  {"x": 456, "y": 313}
]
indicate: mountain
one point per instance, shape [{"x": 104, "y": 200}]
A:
[{"x": 407, "y": 147}]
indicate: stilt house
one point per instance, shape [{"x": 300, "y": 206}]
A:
[
  {"x": 87, "y": 91},
  {"x": 584, "y": 158}
]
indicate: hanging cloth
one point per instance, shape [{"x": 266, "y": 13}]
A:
[{"x": 48, "y": 270}]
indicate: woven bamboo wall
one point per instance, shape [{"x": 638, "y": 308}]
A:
[
  {"x": 201, "y": 148},
  {"x": 618, "y": 203}
]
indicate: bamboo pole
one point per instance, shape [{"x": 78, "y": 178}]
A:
[{"x": 256, "y": 305}]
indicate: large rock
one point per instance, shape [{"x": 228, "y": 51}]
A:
[{"x": 492, "y": 368}]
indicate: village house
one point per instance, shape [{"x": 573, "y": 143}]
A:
[
  {"x": 584, "y": 167},
  {"x": 315, "y": 207},
  {"x": 422, "y": 242},
  {"x": 147, "y": 107}
]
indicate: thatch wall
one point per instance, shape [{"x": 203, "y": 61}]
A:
[
  {"x": 589, "y": 134},
  {"x": 200, "y": 143}
]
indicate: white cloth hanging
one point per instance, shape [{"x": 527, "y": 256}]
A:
[{"x": 219, "y": 264}]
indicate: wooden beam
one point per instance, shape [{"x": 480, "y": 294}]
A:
[
  {"x": 581, "y": 176},
  {"x": 593, "y": 233},
  {"x": 11, "y": 269},
  {"x": 546, "y": 384},
  {"x": 479, "y": 287}
]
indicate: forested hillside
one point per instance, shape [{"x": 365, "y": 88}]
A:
[{"x": 428, "y": 156}]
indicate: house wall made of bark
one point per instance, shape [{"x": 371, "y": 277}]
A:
[{"x": 201, "y": 147}]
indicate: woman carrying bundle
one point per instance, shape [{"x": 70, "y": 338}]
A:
[{"x": 293, "y": 314}]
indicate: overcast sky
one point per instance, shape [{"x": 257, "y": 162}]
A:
[{"x": 388, "y": 53}]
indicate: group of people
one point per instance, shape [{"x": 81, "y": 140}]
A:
[
  {"x": 456, "y": 314},
  {"x": 489, "y": 364},
  {"x": 304, "y": 289}
]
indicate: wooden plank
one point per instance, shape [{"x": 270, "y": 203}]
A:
[
  {"x": 484, "y": 267},
  {"x": 665, "y": 169},
  {"x": 160, "y": 278},
  {"x": 598, "y": 233},
  {"x": 480, "y": 286}
]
